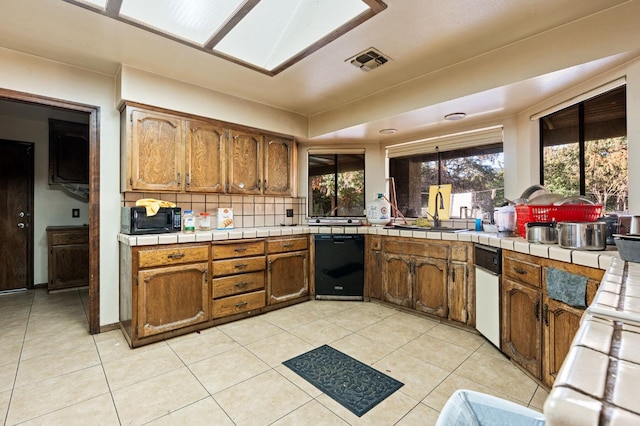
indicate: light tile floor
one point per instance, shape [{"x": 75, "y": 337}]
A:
[{"x": 53, "y": 372}]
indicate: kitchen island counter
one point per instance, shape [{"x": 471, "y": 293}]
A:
[{"x": 598, "y": 381}]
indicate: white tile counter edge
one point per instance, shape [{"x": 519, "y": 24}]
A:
[{"x": 594, "y": 259}]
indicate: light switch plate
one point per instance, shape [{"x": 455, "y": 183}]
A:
[{"x": 75, "y": 212}]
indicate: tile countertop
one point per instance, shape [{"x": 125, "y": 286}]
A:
[
  {"x": 594, "y": 259},
  {"x": 598, "y": 381}
]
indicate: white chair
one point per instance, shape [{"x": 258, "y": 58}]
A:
[{"x": 469, "y": 408}]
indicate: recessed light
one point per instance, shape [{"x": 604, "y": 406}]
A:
[
  {"x": 455, "y": 116},
  {"x": 388, "y": 131}
]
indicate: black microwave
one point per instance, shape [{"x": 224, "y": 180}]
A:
[{"x": 134, "y": 220}]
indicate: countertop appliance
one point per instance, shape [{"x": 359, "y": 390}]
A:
[
  {"x": 334, "y": 221},
  {"x": 339, "y": 266},
  {"x": 488, "y": 267},
  {"x": 134, "y": 220}
]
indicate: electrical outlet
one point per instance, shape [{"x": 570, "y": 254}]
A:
[
  {"x": 75, "y": 212},
  {"x": 289, "y": 212}
]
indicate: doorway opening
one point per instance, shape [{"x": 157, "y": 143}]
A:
[{"x": 93, "y": 113}]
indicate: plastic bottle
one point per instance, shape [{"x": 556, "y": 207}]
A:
[
  {"x": 204, "y": 222},
  {"x": 379, "y": 211},
  {"x": 189, "y": 221},
  {"x": 479, "y": 220}
]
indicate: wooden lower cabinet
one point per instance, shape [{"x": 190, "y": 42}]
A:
[
  {"x": 397, "y": 279},
  {"x": 430, "y": 293},
  {"x": 561, "y": 323},
  {"x": 68, "y": 264},
  {"x": 373, "y": 267},
  {"x": 287, "y": 269},
  {"x": 537, "y": 330},
  {"x": 521, "y": 332},
  {"x": 415, "y": 274},
  {"x": 163, "y": 289},
  {"x": 172, "y": 297}
]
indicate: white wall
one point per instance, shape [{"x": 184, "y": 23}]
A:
[
  {"x": 152, "y": 89},
  {"x": 29, "y": 74},
  {"x": 52, "y": 205}
]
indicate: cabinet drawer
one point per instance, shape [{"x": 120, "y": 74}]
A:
[
  {"x": 460, "y": 251},
  {"x": 236, "y": 284},
  {"x": 417, "y": 248},
  {"x": 237, "y": 304},
  {"x": 521, "y": 271},
  {"x": 289, "y": 244},
  {"x": 76, "y": 237},
  {"x": 228, "y": 251},
  {"x": 172, "y": 256},
  {"x": 238, "y": 266}
]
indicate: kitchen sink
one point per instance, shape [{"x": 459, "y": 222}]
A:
[
  {"x": 447, "y": 229},
  {"x": 424, "y": 228}
]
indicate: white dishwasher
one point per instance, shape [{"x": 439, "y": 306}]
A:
[{"x": 488, "y": 265}]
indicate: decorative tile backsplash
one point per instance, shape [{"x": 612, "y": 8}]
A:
[{"x": 248, "y": 210}]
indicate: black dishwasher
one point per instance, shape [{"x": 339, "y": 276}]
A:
[{"x": 339, "y": 266}]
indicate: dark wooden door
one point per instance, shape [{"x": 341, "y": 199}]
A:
[{"x": 16, "y": 205}]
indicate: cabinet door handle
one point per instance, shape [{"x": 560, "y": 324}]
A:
[
  {"x": 453, "y": 275},
  {"x": 240, "y": 305},
  {"x": 241, "y": 265},
  {"x": 537, "y": 309},
  {"x": 176, "y": 256},
  {"x": 241, "y": 285},
  {"x": 545, "y": 314},
  {"x": 520, "y": 271}
]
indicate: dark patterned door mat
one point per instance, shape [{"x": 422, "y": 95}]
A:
[{"x": 353, "y": 384}]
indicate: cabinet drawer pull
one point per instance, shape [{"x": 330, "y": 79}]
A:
[
  {"x": 240, "y": 305},
  {"x": 241, "y": 265},
  {"x": 240, "y": 285},
  {"x": 176, "y": 256},
  {"x": 287, "y": 245},
  {"x": 520, "y": 271},
  {"x": 240, "y": 249}
]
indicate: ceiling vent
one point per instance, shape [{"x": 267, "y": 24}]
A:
[{"x": 369, "y": 59}]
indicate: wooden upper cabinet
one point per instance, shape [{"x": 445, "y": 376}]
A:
[
  {"x": 278, "y": 165},
  {"x": 165, "y": 152},
  {"x": 245, "y": 164},
  {"x": 68, "y": 152},
  {"x": 205, "y": 155},
  {"x": 156, "y": 152}
]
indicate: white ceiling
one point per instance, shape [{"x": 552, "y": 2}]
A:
[{"x": 427, "y": 40}]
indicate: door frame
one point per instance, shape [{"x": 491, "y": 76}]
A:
[{"x": 94, "y": 188}]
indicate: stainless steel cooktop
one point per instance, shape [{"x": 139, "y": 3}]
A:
[{"x": 334, "y": 221}]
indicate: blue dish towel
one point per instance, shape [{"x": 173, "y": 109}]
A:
[{"x": 567, "y": 287}]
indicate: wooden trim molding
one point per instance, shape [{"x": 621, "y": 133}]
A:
[{"x": 94, "y": 188}]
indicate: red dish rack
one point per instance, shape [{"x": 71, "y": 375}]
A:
[{"x": 563, "y": 213}]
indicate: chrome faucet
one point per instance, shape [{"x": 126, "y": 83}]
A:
[{"x": 436, "y": 219}]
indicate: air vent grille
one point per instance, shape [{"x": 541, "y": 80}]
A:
[{"x": 369, "y": 59}]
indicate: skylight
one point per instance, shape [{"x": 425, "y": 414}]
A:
[{"x": 266, "y": 35}]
